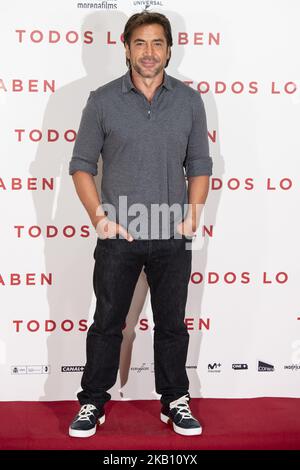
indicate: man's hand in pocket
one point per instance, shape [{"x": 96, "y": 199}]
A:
[{"x": 106, "y": 228}]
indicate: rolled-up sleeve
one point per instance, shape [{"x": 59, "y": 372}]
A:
[
  {"x": 89, "y": 140},
  {"x": 198, "y": 161}
]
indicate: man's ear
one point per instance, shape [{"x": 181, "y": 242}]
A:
[
  {"x": 127, "y": 49},
  {"x": 169, "y": 52}
]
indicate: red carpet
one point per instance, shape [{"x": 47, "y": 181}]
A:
[{"x": 256, "y": 423}]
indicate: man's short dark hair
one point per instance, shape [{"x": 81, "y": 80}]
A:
[{"x": 147, "y": 17}]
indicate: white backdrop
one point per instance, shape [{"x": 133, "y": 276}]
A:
[{"x": 243, "y": 303}]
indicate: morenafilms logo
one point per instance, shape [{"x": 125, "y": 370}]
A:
[
  {"x": 265, "y": 367},
  {"x": 214, "y": 367},
  {"x": 150, "y": 367},
  {"x": 72, "y": 368},
  {"x": 240, "y": 366},
  {"x": 140, "y": 368},
  {"x": 26, "y": 370},
  {"x": 293, "y": 367},
  {"x": 103, "y": 5}
]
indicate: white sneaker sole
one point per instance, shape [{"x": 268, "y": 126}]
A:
[
  {"x": 89, "y": 433},
  {"x": 184, "y": 432}
]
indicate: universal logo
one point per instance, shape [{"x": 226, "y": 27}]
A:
[
  {"x": 147, "y": 3},
  {"x": 21, "y": 370},
  {"x": 265, "y": 367},
  {"x": 72, "y": 368},
  {"x": 240, "y": 366},
  {"x": 215, "y": 367}
]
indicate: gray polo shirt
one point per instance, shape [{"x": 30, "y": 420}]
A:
[{"x": 148, "y": 150}]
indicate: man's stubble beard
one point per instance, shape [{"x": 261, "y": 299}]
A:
[{"x": 147, "y": 73}]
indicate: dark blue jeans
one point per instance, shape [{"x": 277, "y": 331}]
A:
[{"x": 118, "y": 264}]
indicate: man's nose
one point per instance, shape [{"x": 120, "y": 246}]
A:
[{"x": 149, "y": 49}]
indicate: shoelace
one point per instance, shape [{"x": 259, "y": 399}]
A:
[
  {"x": 183, "y": 407},
  {"x": 85, "y": 412}
]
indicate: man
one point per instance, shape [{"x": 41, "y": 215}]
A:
[{"x": 149, "y": 127}]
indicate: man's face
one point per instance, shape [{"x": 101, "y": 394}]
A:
[{"x": 148, "y": 51}]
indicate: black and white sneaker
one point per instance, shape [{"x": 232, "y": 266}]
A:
[
  {"x": 85, "y": 422},
  {"x": 180, "y": 415}
]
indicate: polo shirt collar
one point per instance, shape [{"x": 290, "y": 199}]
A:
[{"x": 127, "y": 84}]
